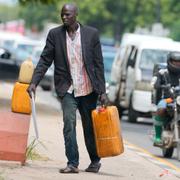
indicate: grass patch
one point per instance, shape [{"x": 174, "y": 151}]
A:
[
  {"x": 1, "y": 178},
  {"x": 31, "y": 152}
]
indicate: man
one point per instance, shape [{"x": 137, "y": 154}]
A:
[
  {"x": 169, "y": 76},
  {"x": 76, "y": 53}
]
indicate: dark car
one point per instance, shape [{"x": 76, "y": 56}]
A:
[{"x": 8, "y": 67}]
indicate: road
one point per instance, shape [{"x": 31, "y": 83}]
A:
[
  {"x": 137, "y": 134},
  {"x": 140, "y": 135}
]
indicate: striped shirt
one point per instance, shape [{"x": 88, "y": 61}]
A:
[{"x": 81, "y": 84}]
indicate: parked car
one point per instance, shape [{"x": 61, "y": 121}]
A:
[
  {"x": 8, "y": 67},
  {"x": 22, "y": 49},
  {"x": 136, "y": 69},
  {"x": 128, "y": 43}
]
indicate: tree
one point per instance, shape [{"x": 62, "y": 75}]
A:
[
  {"x": 37, "y": 14},
  {"x": 8, "y": 13},
  {"x": 111, "y": 17}
]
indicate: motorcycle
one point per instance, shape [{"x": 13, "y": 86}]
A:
[{"x": 171, "y": 129}]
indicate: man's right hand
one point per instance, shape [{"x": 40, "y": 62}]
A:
[{"x": 31, "y": 89}]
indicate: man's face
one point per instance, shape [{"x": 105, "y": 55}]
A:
[{"x": 68, "y": 15}]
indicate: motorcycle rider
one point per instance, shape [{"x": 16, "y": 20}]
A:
[{"x": 169, "y": 76}]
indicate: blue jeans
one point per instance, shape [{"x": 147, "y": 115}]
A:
[{"x": 85, "y": 104}]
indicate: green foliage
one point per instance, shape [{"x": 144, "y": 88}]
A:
[
  {"x": 175, "y": 33},
  {"x": 8, "y": 13},
  {"x": 31, "y": 151},
  {"x": 37, "y": 14},
  {"x": 1, "y": 178},
  {"x": 25, "y": 2},
  {"x": 111, "y": 17}
]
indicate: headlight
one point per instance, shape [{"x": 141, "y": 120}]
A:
[
  {"x": 142, "y": 85},
  {"x": 178, "y": 100}
]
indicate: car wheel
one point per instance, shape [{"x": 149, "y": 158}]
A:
[
  {"x": 46, "y": 88},
  {"x": 120, "y": 110},
  {"x": 132, "y": 114},
  {"x": 168, "y": 152}
]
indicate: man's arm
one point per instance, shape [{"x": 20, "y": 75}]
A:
[
  {"x": 44, "y": 63},
  {"x": 45, "y": 60},
  {"x": 99, "y": 70}
]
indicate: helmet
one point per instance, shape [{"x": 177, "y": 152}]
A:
[
  {"x": 173, "y": 61},
  {"x": 174, "y": 56}
]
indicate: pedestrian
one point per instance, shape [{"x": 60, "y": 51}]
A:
[{"x": 75, "y": 51}]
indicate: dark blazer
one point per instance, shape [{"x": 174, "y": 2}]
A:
[{"x": 55, "y": 51}]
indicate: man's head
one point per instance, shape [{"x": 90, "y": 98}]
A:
[
  {"x": 174, "y": 58},
  {"x": 69, "y": 13}
]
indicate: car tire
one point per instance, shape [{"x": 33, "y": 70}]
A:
[
  {"x": 132, "y": 114},
  {"x": 167, "y": 152},
  {"x": 46, "y": 88},
  {"x": 120, "y": 110}
]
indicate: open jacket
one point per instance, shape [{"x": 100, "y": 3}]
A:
[{"x": 55, "y": 51}]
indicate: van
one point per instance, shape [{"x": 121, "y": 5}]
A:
[
  {"x": 128, "y": 43},
  {"x": 134, "y": 88}
]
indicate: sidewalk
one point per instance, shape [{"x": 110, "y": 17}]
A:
[{"x": 128, "y": 166}]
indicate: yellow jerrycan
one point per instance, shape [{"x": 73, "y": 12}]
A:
[{"x": 26, "y": 71}]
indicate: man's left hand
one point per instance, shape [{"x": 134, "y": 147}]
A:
[{"x": 103, "y": 99}]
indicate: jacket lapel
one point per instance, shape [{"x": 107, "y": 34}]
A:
[
  {"x": 83, "y": 45},
  {"x": 63, "y": 40}
]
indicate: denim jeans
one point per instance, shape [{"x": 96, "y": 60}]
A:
[{"x": 85, "y": 104}]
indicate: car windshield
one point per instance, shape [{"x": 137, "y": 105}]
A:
[{"x": 149, "y": 57}]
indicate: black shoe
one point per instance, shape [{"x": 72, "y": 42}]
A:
[
  {"x": 93, "y": 167},
  {"x": 69, "y": 169}
]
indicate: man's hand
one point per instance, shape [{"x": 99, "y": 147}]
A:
[
  {"x": 103, "y": 99},
  {"x": 31, "y": 89}
]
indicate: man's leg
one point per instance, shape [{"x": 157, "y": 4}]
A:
[
  {"x": 159, "y": 119},
  {"x": 158, "y": 123},
  {"x": 86, "y": 105},
  {"x": 69, "y": 107}
]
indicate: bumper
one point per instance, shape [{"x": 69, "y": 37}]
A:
[{"x": 141, "y": 101}]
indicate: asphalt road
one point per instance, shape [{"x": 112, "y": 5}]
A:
[
  {"x": 137, "y": 134},
  {"x": 140, "y": 135}
]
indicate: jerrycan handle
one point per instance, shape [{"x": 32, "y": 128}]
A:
[{"x": 101, "y": 108}]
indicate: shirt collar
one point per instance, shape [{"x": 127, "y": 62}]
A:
[{"x": 77, "y": 31}]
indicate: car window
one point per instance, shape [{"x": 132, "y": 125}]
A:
[{"x": 149, "y": 57}]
